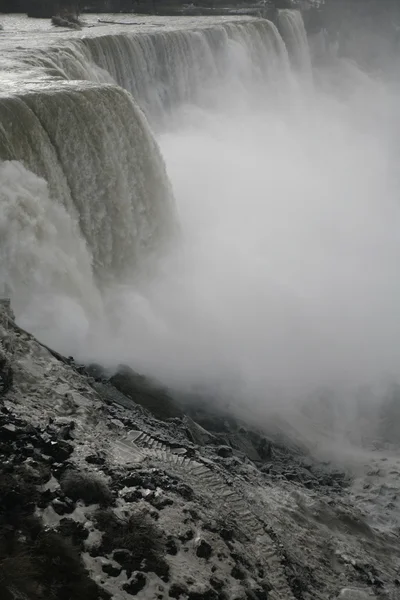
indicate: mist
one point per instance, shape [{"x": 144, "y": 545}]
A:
[{"x": 283, "y": 286}]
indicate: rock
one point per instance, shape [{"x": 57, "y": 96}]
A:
[
  {"x": 95, "y": 459},
  {"x": 197, "y": 434},
  {"x": 8, "y": 432},
  {"x": 203, "y": 550},
  {"x": 74, "y": 530},
  {"x": 217, "y": 583},
  {"x": 6, "y": 374},
  {"x": 171, "y": 547},
  {"x": 122, "y": 556},
  {"x": 46, "y": 497},
  {"x": 185, "y": 491},
  {"x": 61, "y": 508},
  {"x": 60, "y": 22},
  {"x": 135, "y": 584},
  {"x": 354, "y": 594},
  {"x": 117, "y": 423},
  {"x": 238, "y": 573},
  {"x": 209, "y": 594},
  {"x": 187, "y": 536},
  {"x": 131, "y": 495},
  {"x": 145, "y": 392},
  {"x": 177, "y": 590},
  {"x": 226, "y": 534},
  {"x": 66, "y": 430},
  {"x": 112, "y": 570},
  {"x": 265, "y": 449},
  {"x": 240, "y": 441},
  {"x": 58, "y": 450},
  {"x": 224, "y": 451}
]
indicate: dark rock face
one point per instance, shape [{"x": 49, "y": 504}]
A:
[
  {"x": 112, "y": 570},
  {"x": 6, "y": 375},
  {"x": 135, "y": 584},
  {"x": 177, "y": 590},
  {"x": 224, "y": 451},
  {"x": 146, "y": 393},
  {"x": 204, "y": 549}
]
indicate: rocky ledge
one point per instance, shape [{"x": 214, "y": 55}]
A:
[{"x": 112, "y": 487}]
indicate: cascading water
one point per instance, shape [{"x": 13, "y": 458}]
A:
[
  {"x": 284, "y": 277},
  {"x": 293, "y": 31},
  {"x": 165, "y": 70},
  {"x": 122, "y": 199}
]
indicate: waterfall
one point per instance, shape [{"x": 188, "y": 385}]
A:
[
  {"x": 74, "y": 135},
  {"x": 93, "y": 146},
  {"x": 44, "y": 260},
  {"x": 291, "y": 26},
  {"x": 163, "y": 70}
]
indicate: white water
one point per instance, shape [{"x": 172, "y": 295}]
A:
[{"x": 287, "y": 191}]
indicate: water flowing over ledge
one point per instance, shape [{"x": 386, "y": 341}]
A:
[{"x": 64, "y": 118}]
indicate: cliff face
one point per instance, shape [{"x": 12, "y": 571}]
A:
[{"x": 113, "y": 488}]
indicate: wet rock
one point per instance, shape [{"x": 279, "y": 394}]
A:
[
  {"x": 135, "y": 584},
  {"x": 187, "y": 536},
  {"x": 145, "y": 392},
  {"x": 46, "y": 497},
  {"x": 133, "y": 479},
  {"x": 122, "y": 556},
  {"x": 227, "y": 534},
  {"x": 111, "y": 570},
  {"x": 73, "y": 530},
  {"x": 8, "y": 432},
  {"x": 171, "y": 547},
  {"x": 265, "y": 449},
  {"x": 131, "y": 495},
  {"x": 238, "y": 573},
  {"x": 217, "y": 583},
  {"x": 95, "y": 459},
  {"x": 203, "y": 549},
  {"x": 62, "y": 508},
  {"x": 117, "y": 423},
  {"x": 242, "y": 442},
  {"x": 206, "y": 595},
  {"x": 258, "y": 593},
  {"x": 158, "y": 501},
  {"x": 58, "y": 450},
  {"x": 6, "y": 375},
  {"x": 224, "y": 451},
  {"x": 185, "y": 491},
  {"x": 177, "y": 590},
  {"x": 197, "y": 434}
]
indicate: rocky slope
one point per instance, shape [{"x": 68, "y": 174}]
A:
[{"x": 112, "y": 488}]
